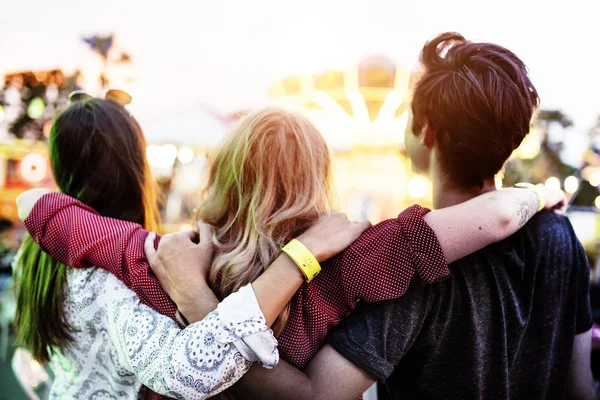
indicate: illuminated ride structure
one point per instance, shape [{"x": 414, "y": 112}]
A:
[
  {"x": 362, "y": 112},
  {"x": 28, "y": 100}
]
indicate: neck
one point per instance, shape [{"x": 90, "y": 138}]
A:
[{"x": 446, "y": 194}]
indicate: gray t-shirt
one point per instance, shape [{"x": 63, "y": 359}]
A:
[{"x": 501, "y": 327}]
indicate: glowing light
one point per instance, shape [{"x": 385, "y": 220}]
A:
[
  {"x": 33, "y": 167},
  {"x": 185, "y": 155},
  {"x": 36, "y": 108},
  {"x": 552, "y": 183},
  {"x": 359, "y": 107},
  {"x": 12, "y": 97},
  {"x": 597, "y": 202},
  {"x": 389, "y": 107},
  {"x": 417, "y": 187},
  {"x": 161, "y": 156},
  {"x": 530, "y": 147},
  {"x": 153, "y": 154},
  {"x": 327, "y": 103},
  {"x": 595, "y": 178},
  {"x": 52, "y": 93},
  {"x": 498, "y": 182},
  {"x": 169, "y": 151},
  {"x": 47, "y": 128},
  {"x": 571, "y": 184}
]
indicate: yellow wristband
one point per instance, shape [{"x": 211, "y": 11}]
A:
[
  {"x": 303, "y": 258},
  {"x": 525, "y": 185}
]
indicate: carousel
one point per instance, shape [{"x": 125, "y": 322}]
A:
[{"x": 362, "y": 112}]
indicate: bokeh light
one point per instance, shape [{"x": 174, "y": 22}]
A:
[
  {"x": 36, "y": 108},
  {"x": 161, "y": 156},
  {"x": 47, "y": 128},
  {"x": 571, "y": 184},
  {"x": 33, "y": 167},
  {"x": 185, "y": 155},
  {"x": 417, "y": 187},
  {"x": 553, "y": 183},
  {"x": 595, "y": 178}
]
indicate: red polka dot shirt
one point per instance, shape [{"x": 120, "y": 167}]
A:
[{"x": 380, "y": 265}]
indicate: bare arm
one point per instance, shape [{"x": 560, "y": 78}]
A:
[
  {"x": 491, "y": 217},
  {"x": 328, "y": 376},
  {"x": 581, "y": 382}
]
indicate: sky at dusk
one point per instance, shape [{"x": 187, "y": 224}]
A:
[{"x": 226, "y": 53}]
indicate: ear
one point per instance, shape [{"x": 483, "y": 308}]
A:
[{"x": 428, "y": 135}]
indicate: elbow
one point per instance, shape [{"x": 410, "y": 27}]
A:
[{"x": 504, "y": 224}]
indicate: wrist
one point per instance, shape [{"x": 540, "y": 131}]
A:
[
  {"x": 539, "y": 191},
  {"x": 314, "y": 247},
  {"x": 303, "y": 258},
  {"x": 288, "y": 268},
  {"x": 198, "y": 304}
]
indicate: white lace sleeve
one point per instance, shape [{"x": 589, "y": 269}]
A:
[{"x": 199, "y": 361}]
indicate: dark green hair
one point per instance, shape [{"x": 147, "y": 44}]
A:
[{"x": 97, "y": 152}]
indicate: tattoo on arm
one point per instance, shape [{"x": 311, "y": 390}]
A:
[{"x": 527, "y": 208}]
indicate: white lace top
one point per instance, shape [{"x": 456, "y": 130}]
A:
[{"x": 121, "y": 344}]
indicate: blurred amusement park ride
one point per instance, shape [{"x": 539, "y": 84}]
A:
[{"x": 362, "y": 112}]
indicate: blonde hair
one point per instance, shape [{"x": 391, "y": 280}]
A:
[{"x": 268, "y": 182}]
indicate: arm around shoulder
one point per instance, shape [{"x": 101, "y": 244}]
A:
[{"x": 491, "y": 217}]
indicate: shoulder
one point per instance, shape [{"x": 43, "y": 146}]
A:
[
  {"x": 395, "y": 232},
  {"x": 95, "y": 285},
  {"x": 550, "y": 221},
  {"x": 551, "y": 230},
  {"x": 406, "y": 242}
]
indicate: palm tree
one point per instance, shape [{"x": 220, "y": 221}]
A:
[{"x": 103, "y": 45}]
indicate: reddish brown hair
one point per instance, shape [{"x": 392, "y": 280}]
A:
[{"x": 478, "y": 99}]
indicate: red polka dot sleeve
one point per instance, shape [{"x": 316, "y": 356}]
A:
[
  {"x": 75, "y": 235},
  {"x": 379, "y": 266}
]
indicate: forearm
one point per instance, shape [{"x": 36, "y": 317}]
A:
[
  {"x": 273, "y": 289},
  {"x": 282, "y": 382},
  {"x": 470, "y": 226},
  {"x": 201, "y": 305},
  {"x": 276, "y": 286},
  {"x": 328, "y": 376}
]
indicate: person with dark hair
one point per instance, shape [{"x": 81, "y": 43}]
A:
[
  {"x": 101, "y": 340},
  {"x": 513, "y": 320}
]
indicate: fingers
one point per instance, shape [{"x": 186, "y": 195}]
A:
[
  {"x": 190, "y": 235},
  {"x": 205, "y": 231},
  {"x": 149, "y": 246}
]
